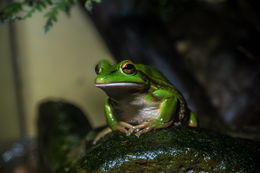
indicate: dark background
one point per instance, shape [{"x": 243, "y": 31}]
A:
[{"x": 208, "y": 48}]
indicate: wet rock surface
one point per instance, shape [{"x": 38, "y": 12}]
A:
[
  {"x": 180, "y": 149},
  {"x": 66, "y": 146}
]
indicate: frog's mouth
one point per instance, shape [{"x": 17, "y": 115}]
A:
[
  {"x": 120, "y": 85},
  {"x": 121, "y": 88}
]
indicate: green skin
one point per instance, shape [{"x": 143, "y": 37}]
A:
[{"x": 156, "y": 90}]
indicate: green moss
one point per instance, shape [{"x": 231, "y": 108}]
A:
[
  {"x": 171, "y": 149},
  {"x": 66, "y": 146}
]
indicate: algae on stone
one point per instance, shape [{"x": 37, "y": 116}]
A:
[{"x": 173, "y": 149}]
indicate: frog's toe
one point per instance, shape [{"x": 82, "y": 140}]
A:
[
  {"x": 141, "y": 126},
  {"x": 122, "y": 129},
  {"x": 125, "y": 128},
  {"x": 126, "y": 125},
  {"x": 148, "y": 126},
  {"x": 145, "y": 130},
  {"x": 130, "y": 131},
  {"x": 102, "y": 134}
]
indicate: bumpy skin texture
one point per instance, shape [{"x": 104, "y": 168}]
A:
[{"x": 140, "y": 98}]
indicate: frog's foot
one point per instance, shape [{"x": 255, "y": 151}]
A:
[
  {"x": 125, "y": 127},
  {"x": 102, "y": 134},
  {"x": 143, "y": 128},
  {"x": 148, "y": 126}
]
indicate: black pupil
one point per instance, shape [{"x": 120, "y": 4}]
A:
[
  {"x": 97, "y": 69},
  {"x": 129, "y": 66}
]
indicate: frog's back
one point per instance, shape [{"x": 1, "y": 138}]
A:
[{"x": 153, "y": 74}]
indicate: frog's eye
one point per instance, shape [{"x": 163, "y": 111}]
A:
[
  {"x": 128, "y": 67},
  {"x": 97, "y": 69}
]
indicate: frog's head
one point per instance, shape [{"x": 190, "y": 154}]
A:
[{"x": 119, "y": 78}]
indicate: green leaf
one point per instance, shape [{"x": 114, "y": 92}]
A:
[
  {"x": 49, "y": 2},
  {"x": 42, "y": 4},
  {"x": 29, "y": 13},
  {"x": 47, "y": 26},
  {"x": 88, "y": 5},
  {"x": 38, "y": 8},
  {"x": 11, "y": 10}
]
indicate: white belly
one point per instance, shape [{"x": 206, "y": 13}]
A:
[{"x": 136, "y": 110}]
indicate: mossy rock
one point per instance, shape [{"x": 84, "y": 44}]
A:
[{"x": 173, "y": 149}]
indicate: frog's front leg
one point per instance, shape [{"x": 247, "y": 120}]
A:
[
  {"x": 112, "y": 121},
  {"x": 113, "y": 124},
  {"x": 167, "y": 108}
]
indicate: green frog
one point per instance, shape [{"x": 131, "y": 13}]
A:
[{"x": 140, "y": 99}]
